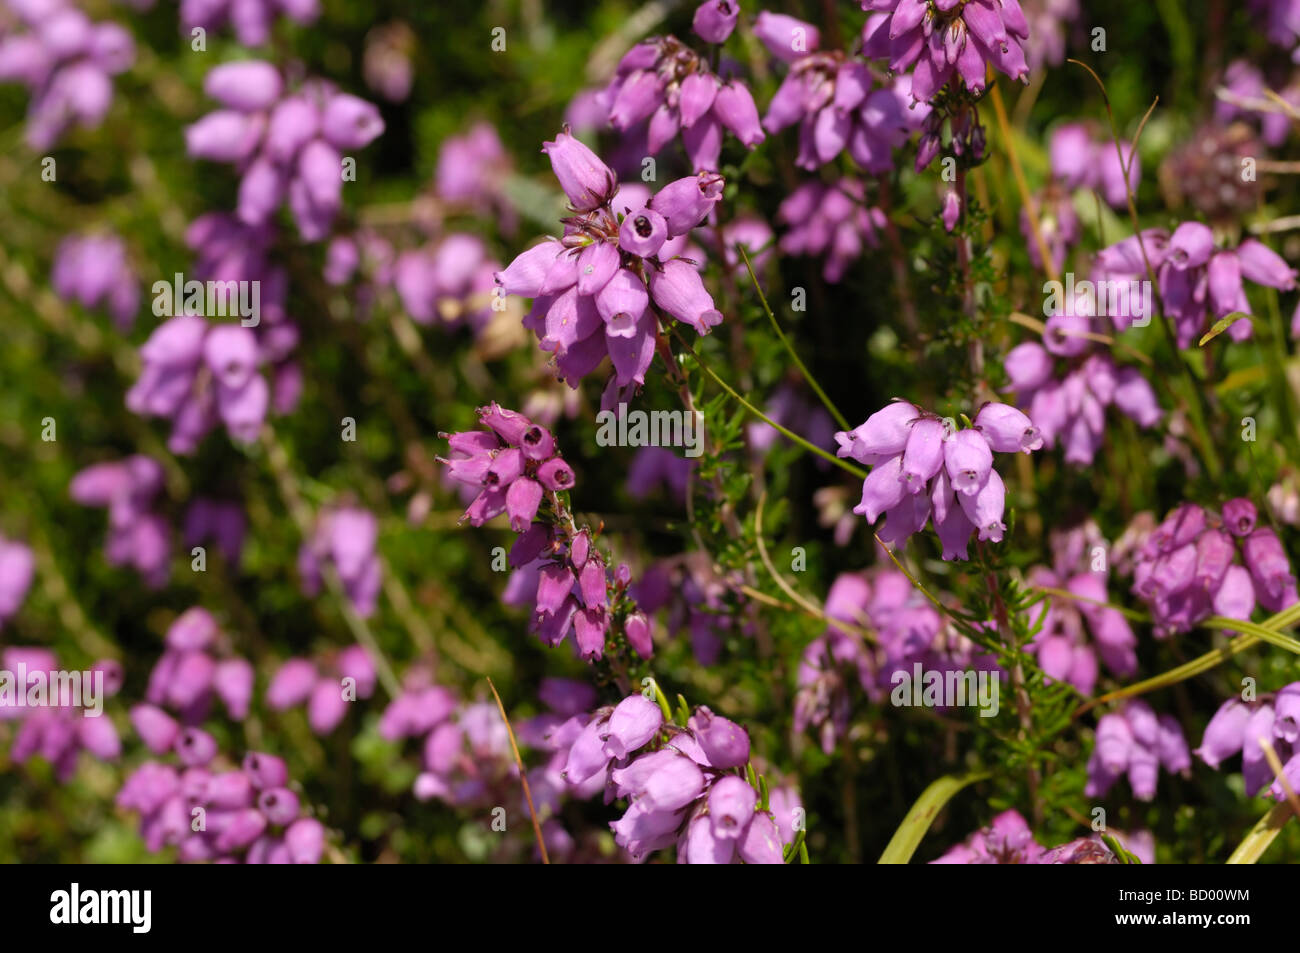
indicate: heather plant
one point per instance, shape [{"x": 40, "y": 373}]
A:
[{"x": 723, "y": 432}]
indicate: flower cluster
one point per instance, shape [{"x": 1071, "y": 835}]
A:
[
  {"x": 1072, "y": 408},
  {"x": 452, "y": 281},
  {"x": 663, "y": 86},
  {"x": 597, "y": 291},
  {"x": 945, "y": 40},
  {"x": 471, "y": 174},
  {"x": 838, "y": 102},
  {"x": 1008, "y": 840},
  {"x": 344, "y": 539},
  {"x": 196, "y": 666},
  {"x": 285, "y": 145},
  {"x": 326, "y": 686},
  {"x": 1078, "y": 161},
  {"x": 57, "y": 723},
  {"x": 1244, "y": 727},
  {"x": 1074, "y": 635},
  {"x": 198, "y": 374},
  {"x": 1135, "y": 742},
  {"x": 245, "y": 814},
  {"x": 1187, "y": 569},
  {"x": 902, "y": 628},
  {"x": 1196, "y": 281},
  {"x": 249, "y": 19},
  {"x": 922, "y": 467},
  {"x": 67, "y": 63},
  {"x": 684, "y": 791},
  {"x": 137, "y": 537},
  {"x": 830, "y": 221},
  {"x": 93, "y": 269}
]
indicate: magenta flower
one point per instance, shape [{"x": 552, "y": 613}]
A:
[
  {"x": 326, "y": 686},
  {"x": 662, "y": 88},
  {"x": 209, "y": 813},
  {"x": 1081, "y": 162},
  {"x": 1070, "y": 409},
  {"x": 1198, "y": 283},
  {"x": 945, "y": 40},
  {"x": 66, "y": 62},
  {"x": 838, "y": 102},
  {"x": 1198, "y": 563},
  {"x": 288, "y": 146},
  {"x": 198, "y": 666},
  {"x": 1134, "y": 742},
  {"x": 830, "y": 221},
  {"x": 250, "y": 20},
  {"x": 922, "y": 470},
  {"x": 94, "y": 270},
  {"x": 601, "y": 289},
  {"x": 1074, "y": 635},
  {"x": 345, "y": 537},
  {"x": 137, "y": 537},
  {"x": 452, "y": 282},
  {"x": 63, "y": 726},
  {"x": 197, "y": 374},
  {"x": 17, "y": 569}
]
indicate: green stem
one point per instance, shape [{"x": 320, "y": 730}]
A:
[
  {"x": 807, "y": 445},
  {"x": 812, "y": 381}
]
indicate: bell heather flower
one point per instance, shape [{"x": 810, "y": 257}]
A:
[
  {"x": 600, "y": 290},
  {"x": 1070, "y": 409},
  {"x": 1009, "y": 840},
  {"x": 559, "y": 571},
  {"x": 211, "y": 810},
  {"x": 1198, "y": 563},
  {"x": 57, "y": 730},
  {"x": 197, "y": 374},
  {"x": 17, "y": 568},
  {"x": 288, "y": 146},
  {"x": 471, "y": 173},
  {"x": 451, "y": 281},
  {"x": 663, "y": 87},
  {"x": 944, "y": 40},
  {"x": 681, "y": 789},
  {"x": 1239, "y": 727},
  {"x": 197, "y": 666},
  {"x": 93, "y": 269},
  {"x": 250, "y": 20},
  {"x": 1198, "y": 283},
  {"x": 830, "y": 221},
  {"x": 1074, "y": 635},
  {"x": 922, "y": 469},
  {"x": 137, "y": 537},
  {"x": 344, "y": 537},
  {"x": 325, "y": 686},
  {"x": 65, "y": 61},
  {"x": 1048, "y": 22},
  {"x": 715, "y": 19},
  {"x": 838, "y": 101},
  {"x": 907, "y": 629},
  {"x": 1135, "y": 742},
  {"x": 1078, "y": 161}
]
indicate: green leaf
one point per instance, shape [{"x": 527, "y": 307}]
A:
[
  {"x": 1222, "y": 325},
  {"x": 1261, "y": 835},
  {"x": 907, "y": 838}
]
